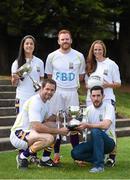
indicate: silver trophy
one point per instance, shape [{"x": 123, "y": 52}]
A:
[
  {"x": 36, "y": 85},
  {"x": 74, "y": 111},
  {"x": 86, "y": 132},
  {"x": 25, "y": 70},
  {"x": 68, "y": 119},
  {"x": 61, "y": 121}
]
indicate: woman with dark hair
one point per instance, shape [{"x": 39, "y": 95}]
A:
[{"x": 25, "y": 88}]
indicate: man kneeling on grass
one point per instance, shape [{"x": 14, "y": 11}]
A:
[
  {"x": 100, "y": 120},
  {"x": 31, "y": 132}
]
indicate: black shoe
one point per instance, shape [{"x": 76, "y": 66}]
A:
[
  {"x": 21, "y": 163},
  {"x": 48, "y": 163},
  {"x": 110, "y": 162},
  {"x": 34, "y": 160}
]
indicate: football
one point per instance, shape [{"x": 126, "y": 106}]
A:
[{"x": 94, "y": 81}]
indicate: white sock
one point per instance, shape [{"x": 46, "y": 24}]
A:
[
  {"x": 45, "y": 158},
  {"x": 22, "y": 156}
]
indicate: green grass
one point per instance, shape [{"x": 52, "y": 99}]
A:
[
  {"x": 68, "y": 169},
  {"x": 123, "y": 103}
]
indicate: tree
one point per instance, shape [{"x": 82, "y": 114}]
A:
[
  {"x": 119, "y": 12},
  {"x": 124, "y": 40},
  {"x": 44, "y": 18},
  {"x": 8, "y": 12},
  {"x": 87, "y": 19}
]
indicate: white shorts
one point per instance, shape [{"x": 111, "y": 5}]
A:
[
  {"x": 17, "y": 142},
  {"x": 62, "y": 99}
]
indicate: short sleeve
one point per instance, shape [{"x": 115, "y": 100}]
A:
[
  {"x": 14, "y": 67},
  {"x": 42, "y": 69}
]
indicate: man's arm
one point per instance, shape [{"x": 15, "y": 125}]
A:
[
  {"x": 105, "y": 124},
  {"x": 113, "y": 85},
  {"x": 43, "y": 128}
]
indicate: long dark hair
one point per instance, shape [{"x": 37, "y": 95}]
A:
[{"x": 21, "y": 55}]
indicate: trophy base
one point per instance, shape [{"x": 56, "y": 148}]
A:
[
  {"x": 37, "y": 88},
  {"x": 72, "y": 127}
]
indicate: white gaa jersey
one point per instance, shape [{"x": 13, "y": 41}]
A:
[
  {"x": 65, "y": 68},
  {"x": 109, "y": 71},
  {"x": 96, "y": 115},
  {"x": 25, "y": 88},
  {"x": 34, "y": 109}
]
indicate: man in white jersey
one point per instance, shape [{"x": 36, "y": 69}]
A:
[
  {"x": 67, "y": 67},
  {"x": 30, "y": 132},
  {"x": 100, "y": 120}
]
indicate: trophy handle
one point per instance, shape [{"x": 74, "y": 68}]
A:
[{"x": 36, "y": 85}]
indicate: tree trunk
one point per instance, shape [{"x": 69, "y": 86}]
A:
[
  {"x": 124, "y": 39},
  {"x": 4, "y": 64}
]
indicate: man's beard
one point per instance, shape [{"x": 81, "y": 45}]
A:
[
  {"x": 66, "y": 46},
  {"x": 97, "y": 106}
]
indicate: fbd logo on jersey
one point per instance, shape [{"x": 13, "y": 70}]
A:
[{"x": 65, "y": 76}]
